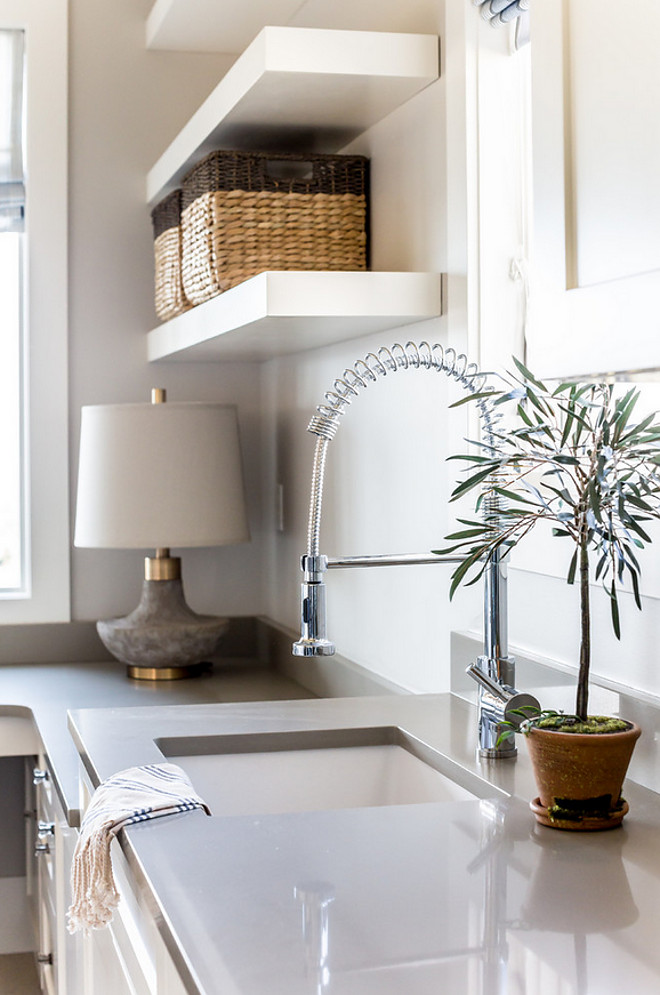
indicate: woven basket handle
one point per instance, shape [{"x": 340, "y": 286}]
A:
[{"x": 290, "y": 173}]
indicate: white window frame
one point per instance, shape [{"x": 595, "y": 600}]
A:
[{"x": 47, "y": 597}]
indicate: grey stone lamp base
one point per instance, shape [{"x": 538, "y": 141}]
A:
[{"x": 163, "y": 638}]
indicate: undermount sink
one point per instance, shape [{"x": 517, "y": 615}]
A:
[{"x": 273, "y": 773}]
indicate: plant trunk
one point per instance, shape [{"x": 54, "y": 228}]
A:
[{"x": 582, "y": 700}]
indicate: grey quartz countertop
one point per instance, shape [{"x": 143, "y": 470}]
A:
[
  {"x": 47, "y": 691},
  {"x": 466, "y": 896}
]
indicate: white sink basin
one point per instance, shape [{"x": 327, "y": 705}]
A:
[{"x": 276, "y": 780}]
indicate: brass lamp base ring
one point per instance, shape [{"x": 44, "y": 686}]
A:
[{"x": 138, "y": 673}]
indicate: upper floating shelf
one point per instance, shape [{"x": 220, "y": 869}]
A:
[
  {"x": 213, "y": 26},
  {"x": 300, "y": 89},
  {"x": 280, "y": 312}
]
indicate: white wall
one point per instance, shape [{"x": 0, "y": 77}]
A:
[{"x": 387, "y": 482}]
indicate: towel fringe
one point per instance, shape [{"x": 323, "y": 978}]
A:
[{"x": 138, "y": 794}]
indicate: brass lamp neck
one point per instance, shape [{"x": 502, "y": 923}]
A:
[{"x": 162, "y": 566}]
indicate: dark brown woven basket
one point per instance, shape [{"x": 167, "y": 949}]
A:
[
  {"x": 246, "y": 212},
  {"x": 169, "y": 295}
]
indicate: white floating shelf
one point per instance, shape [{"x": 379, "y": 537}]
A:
[
  {"x": 213, "y": 26},
  {"x": 300, "y": 89},
  {"x": 276, "y": 313}
]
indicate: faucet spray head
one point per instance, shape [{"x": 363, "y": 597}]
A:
[{"x": 313, "y": 640}]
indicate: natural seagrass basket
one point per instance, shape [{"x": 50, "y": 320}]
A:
[
  {"x": 246, "y": 212},
  {"x": 169, "y": 296}
]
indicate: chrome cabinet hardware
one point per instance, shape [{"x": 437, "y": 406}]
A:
[
  {"x": 39, "y": 776},
  {"x": 45, "y": 830}
]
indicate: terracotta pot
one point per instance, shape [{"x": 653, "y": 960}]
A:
[{"x": 579, "y": 777}]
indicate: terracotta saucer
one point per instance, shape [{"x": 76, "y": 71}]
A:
[{"x": 585, "y": 824}]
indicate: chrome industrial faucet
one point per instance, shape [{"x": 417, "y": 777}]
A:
[{"x": 494, "y": 671}]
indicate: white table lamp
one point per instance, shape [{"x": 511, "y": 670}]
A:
[{"x": 158, "y": 476}]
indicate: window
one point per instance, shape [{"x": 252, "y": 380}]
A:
[
  {"x": 13, "y": 572},
  {"x": 34, "y": 510}
]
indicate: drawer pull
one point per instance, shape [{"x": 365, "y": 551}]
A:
[
  {"x": 39, "y": 776},
  {"x": 41, "y": 849},
  {"x": 44, "y": 958},
  {"x": 45, "y": 830}
]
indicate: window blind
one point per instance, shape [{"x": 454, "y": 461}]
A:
[
  {"x": 501, "y": 11},
  {"x": 12, "y": 156}
]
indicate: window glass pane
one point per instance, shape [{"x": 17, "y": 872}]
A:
[
  {"x": 12, "y": 197},
  {"x": 11, "y": 459},
  {"x": 34, "y": 507}
]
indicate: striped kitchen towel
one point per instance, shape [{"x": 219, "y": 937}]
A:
[{"x": 134, "y": 795}]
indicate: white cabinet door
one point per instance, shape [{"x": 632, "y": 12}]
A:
[
  {"x": 70, "y": 978},
  {"x": 51, "y": 843},
  {"x": 128, "y": 957},
  {"x": 104, "y": 969},
  {"x": 43, "y": 859},
  {"x": 596, "y": 150}
]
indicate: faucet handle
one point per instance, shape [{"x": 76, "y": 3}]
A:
[
  {"x": 502, "y": 698},
  {"x": 485, "y": 681}
]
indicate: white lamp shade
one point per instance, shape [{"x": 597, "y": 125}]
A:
[{"x": 159, "y": 476}]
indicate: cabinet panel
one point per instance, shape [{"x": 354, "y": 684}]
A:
[
  {"x": 104, "y": 969},
  {"x": 30, "y": 860},
  {"x": 42, "y": 856},
  {"x": 70, "y": 962},
  {"x": 130, "y": 951},
  {"x": 46, "y": 958},
  {"x": 614, "y": 79},
  {"x": 51, "y": 842},
  {"x": 596, "y": 147}
]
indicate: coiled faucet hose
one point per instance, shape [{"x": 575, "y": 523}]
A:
[{"x": 369, "y": 370}]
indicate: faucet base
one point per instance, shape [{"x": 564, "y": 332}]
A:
[
  {"x": 313, "y": 647},
  {"x": 495, "y": 753}
]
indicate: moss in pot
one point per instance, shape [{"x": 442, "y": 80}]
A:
[{"x": 574, "y": 457}]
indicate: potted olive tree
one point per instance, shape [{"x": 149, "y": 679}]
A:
[{"x": 574, "y": 457}]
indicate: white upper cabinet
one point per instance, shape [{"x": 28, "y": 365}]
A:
[{"x": 596, "y": 148}]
